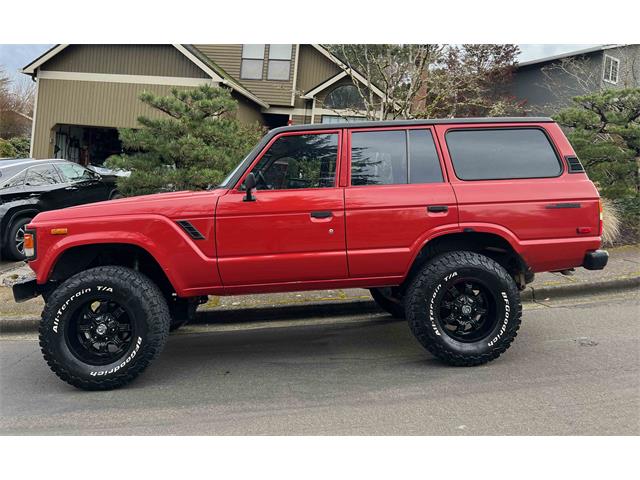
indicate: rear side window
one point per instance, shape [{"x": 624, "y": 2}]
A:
[
  {"x": 502, "y": 154},
  {"x": 394, "y": 157}
]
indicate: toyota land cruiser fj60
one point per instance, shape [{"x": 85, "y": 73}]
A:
[{"x": 445, "y": 221}]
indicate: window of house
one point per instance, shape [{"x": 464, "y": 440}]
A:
[
  {"x": 343, "y": 97},
  {"x": 252, "y": 62},
  {"x": 298, "y": 161},
  {"x": 502, "y": 154},
  {"x": 279, "y": 62},
  {"x": 611, "y": 68},
  {"x": 42, "y": 175},
  {"x": 394, "y": 157},
  {"x": 340, "y": 118}
]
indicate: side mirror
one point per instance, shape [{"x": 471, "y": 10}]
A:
[{"x": 249, "y": 185}]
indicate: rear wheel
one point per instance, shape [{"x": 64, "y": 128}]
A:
[
  {"x": 464, "y": 308},
  {"x": 102, "y": 327},
  {"x": 15, "y": 238},
  {"x": 390, "y": 300}
]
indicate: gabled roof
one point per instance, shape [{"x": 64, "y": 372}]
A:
[
  {"x": 346, "y": 69},
  {"x": 575, "y": 53},
  {"x": 216, "y": 73}
]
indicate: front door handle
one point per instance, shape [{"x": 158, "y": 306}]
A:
[
  {"x": 321, "y": 214},
  {"x": 437, "y": 208},
  {"x": 71, "y": 188}
]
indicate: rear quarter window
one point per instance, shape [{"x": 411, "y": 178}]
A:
[{"x": 499, "y": 154}]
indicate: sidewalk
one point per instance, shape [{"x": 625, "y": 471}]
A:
[{"x": 623, "y": 271}]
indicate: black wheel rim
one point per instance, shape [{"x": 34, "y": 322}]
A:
[
  {"x": 100, "y": 332},
  {"x": 19, "y": 239},
  {"x": 467, "y": 310}
]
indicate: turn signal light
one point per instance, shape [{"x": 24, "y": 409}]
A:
[
  {"x": 58, "y": 231},
  {"x": 29, "y": 245}
]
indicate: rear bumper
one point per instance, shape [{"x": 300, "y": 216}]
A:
[{"x": 596, "y": 260}]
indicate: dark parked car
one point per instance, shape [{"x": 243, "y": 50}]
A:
[{"x": 28, "y": 187}]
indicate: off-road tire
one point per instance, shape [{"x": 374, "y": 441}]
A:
[
  {"x": 396, "y": 309},
  {"x": 11, "y": 249},
  {"x": 127, "y": 287},
  {"x": 426, "y": 291}
]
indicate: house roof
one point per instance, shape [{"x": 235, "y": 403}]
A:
[
  {"x": 575, "y": 53},
  {"x": 205, "y": 64},
  {"x": 346, "y": 69}
]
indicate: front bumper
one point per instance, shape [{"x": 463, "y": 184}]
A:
[
  {"x": 596, "y": 260},
  {"x": 26, "y": 289}
]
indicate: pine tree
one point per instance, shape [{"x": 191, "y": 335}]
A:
[
  {"x": 604, "y": 129},
  {"x": 192, "y": 147}
]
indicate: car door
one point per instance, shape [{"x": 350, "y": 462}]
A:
[
  {"x": 83, "y": 185},
  {"x": 43, "y": 184},
  {"x": 295, "y": 229},
  {"x": 397, "y": 197}
]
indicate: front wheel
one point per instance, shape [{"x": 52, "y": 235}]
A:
[
  {"x": 464, "y": 308},
  {"x": 102, "y": 327}
]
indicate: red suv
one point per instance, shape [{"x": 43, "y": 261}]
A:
[{"x": 444, "y": 220}]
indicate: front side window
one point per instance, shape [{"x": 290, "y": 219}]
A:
[
  {"x": 502, "y": 154},
  {"x": 611, "y": 68},
  {"x": 41, "y": 175},
  {"x": 298, "y": 161},
  {"x": 279, "y": 67},
  {"x": 252, "y": 62},
  {"x": 394, "y": 157},
  {"x": 72, "y": 172}
]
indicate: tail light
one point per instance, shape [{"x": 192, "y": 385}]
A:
[
  {"x": 29, "y": 245},
  {"x": 601, "y": 225}
]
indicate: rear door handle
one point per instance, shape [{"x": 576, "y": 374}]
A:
[
  {"x": 321, "y": 214},
  {"x": 437, "y": 208}
]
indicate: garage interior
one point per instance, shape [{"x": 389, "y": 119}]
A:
[{"x": 85, "y": 145}]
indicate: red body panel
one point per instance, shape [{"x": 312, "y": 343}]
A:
[
  {"x": 370, "y": 238},
  {"x": 522, "y": 210}
]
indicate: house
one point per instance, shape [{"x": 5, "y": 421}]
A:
[
  {"x": 86, "y": 92},
  {"x": 548, "y": 84}
]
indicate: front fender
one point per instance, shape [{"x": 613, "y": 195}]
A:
[{"x": 186, "y": 266}]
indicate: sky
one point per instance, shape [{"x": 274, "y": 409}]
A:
[{"x": 14, "y": 57}]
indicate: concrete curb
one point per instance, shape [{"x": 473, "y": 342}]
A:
[{"x": 347, "y": 307}]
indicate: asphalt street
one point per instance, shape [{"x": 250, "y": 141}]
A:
[{"x": 574, "y": 369}]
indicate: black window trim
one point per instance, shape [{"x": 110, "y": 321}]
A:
[
  {"x": 444, "y": 178},
  {"x": 524, "y": 127}
]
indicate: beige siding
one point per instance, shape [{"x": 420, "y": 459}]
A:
[
  {"x": 248, "y": 111},
  {"x": 98, "y": 104},
  {"x": 229, "y": 57},
  {"x": 314, "y": 68},
  {"x": 158, "y": 60},
  {"x": 301, "y": 119}
]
